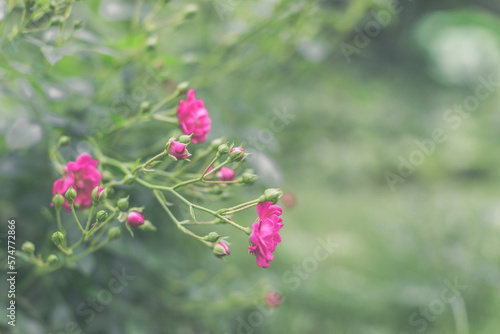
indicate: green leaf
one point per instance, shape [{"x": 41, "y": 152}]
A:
[
  {"x": 191, "y": 211},
  {"x": 127, "y": 226}
]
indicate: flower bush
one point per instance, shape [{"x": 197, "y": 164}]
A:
[{"x": 169, "y": 175}]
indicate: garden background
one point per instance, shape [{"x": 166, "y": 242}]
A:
[{"x": 379, "y": 120}]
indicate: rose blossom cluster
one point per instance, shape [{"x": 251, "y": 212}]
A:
[
  {"x": 195, "y": 123},
  {"x": 83, "y": 176}
]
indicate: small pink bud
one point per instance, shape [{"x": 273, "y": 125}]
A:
[
  {"x": 221, "y": 249},
  {"x": 135, "y": 219},
  {"x": 225, "y": 174},
  {"x": 178, "y": 151},
  {"x": 289, "y": 200},
  {"x": 97, "y": 194},
  {"x": 237, "y": 154},
  {"x": 273, "y": 299}
]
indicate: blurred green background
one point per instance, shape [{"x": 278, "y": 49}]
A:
[{"x": 378, "y": 119}]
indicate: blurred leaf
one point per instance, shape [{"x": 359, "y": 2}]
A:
[
  {"x": 3, "y": 9},
  {"x": 23, "y": 133}
]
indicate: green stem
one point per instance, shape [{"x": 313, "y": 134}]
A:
[
  {"x": 144, "y": 165},
  {"x": 114, "y": 183},
  {"x": 97, "y": 237},
  {"x": 210, "y": 165},
  {"x": 76, "y": 244},
  {"x": 76, "y": 218},
  {"x": 112, "y": 162},
  {"x": 36, "y": 260},
  {"x": 166, "y": 119},
  {"x": 95, "y": 229},
  {"x": 88, "y": 251},
  {"x": 221, "y": 182},
  {"x": 241, "y": 207},
  {"x": 213, "y": 213},
  {"x": 64, "y": 250},
  {"x": 196, "y": 159},
  {"x": 92, "y": 211},
  {"x": 55, "y": 158},
  {"x": 247, "y": 230},
  {"x": 179, "y": 225},
  {"x": 153, "y": 186},
  {"x": 59, "y": 224},
  {"x": 160, "y": 104},
  {"x": 212, "y": 222},
  {"x": 205, "y": 173}
]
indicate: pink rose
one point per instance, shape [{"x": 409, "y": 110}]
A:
[
  {"x": 223, "y": 174},
  {"x": 265, "y": 235},
  {"x": 193, "y": 118},
  {"x": 178, "y": 151},
  {"x": 135, "y": 219},
  {"x": 83, "y": 175},
  {"x": 273, "y": 299}
]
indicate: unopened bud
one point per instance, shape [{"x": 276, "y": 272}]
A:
[
  {"x": 145, "y": 106},
  {"x": 70, "y": 195},
  {"x": 101, "y": 216},
  {"x": 190, "y": 11},
  {"x": 114, "y": 233},
  {"x": 58, "y": 239},
  {"x": 178, "y": 150},
  {"x": 216, "y": 190},
  {"x": 221, "y": 249},
  {"x": 248, "y": 178},
  {"x": 185, "y": 139},
  {"x": 129, "y": 179},
  {"x": 123, "y": 203},
  {"x": 182, "y": 88},
  {"x": 237, "y": 154},
  {"x": 273, "y": 195},
  {"x": 216, "y": 143},
  {"x": 58, "y": 201},
  {"x": 28, "y": 247},
  {"x": 99, "y": 194},
  {"x": 52, "y": 259},
  {"x": 135, "y": 219},
  {"x": 64, "y": 141},
  {"x": 212, "y": 237},
  {"x": 151, "y": 42},
  {"x": 223, "y": 149}
]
